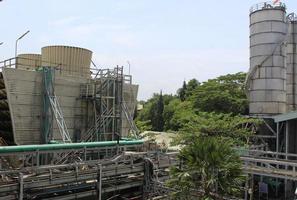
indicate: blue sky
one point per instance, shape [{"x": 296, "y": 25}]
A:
[{"x": 166, "y": 41}]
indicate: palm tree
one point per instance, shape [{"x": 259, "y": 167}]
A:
[{"x": 211, "y": 169}]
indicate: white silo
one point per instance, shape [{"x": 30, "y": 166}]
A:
[
  {"x": 266, "y": 80},
  {"x": 292, "y": 64}
]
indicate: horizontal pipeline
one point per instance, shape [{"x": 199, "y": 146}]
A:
[{"x": 65, "y": 146}]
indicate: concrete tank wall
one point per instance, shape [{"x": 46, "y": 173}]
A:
[
  {"x": 291, "y": 67},
  {"x": 28, "y": 61},
  {"x": 267, "y": 85},
  {"x": 72, "y": 61},
  {"x": 24, "y": 93}
]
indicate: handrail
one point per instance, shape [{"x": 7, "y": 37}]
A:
[
  {"x": 267, "y": 5},
  {"x": 94, "y": 72}
]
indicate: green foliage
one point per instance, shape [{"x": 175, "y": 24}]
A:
[
  {"x": 177, "y": 114},
  {"x": 157, "y": 114},
  {"x": 151, "y": 117},
  {"x": 182, "y": 92},
  {"x": 208, "y": 119},
  {"x": 191, "y": 86},
  {"x": 143, "y": 125},
  {"x": 221, "y": 125},
  {"x": 224, "y": 94},
  {"x": 211, "y": 169}
]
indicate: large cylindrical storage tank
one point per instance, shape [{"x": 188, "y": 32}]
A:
[
  {"x": 72, "y": 61},
  {"x": 292, "y": 67},
  {"x": 28, "y": 61},
  {"x": 267, "y": 76}
]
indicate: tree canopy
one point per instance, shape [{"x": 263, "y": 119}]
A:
[
  {"x": 209, "y": 121},
  {"x": 224, "y": 94}
]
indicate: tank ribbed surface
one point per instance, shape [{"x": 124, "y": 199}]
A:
[
  {"x": 72, "y": 61},
  {"x": 291, "y": 67},
  {"x": 28, "y": 61},
  {"x": 267, "y": 85}
]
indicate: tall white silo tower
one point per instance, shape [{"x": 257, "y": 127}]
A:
[
  {"x": 292, "y": 63},
  {"x": 266, "y": 80}
]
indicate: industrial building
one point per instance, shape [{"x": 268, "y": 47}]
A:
[
  {"x": 67, "y": 130},
  {"x": 81, "y": 94},
  {"x": 271, "y": 89}
]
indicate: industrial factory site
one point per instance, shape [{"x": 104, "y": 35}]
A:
[{"x": 148, "y": 100}]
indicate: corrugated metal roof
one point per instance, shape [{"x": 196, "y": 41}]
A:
[{"x": 285, "y": 116}]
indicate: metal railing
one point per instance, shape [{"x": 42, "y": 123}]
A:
[
  {"x": 267, "y": 5},
  {"x": 33, "y": 64}
]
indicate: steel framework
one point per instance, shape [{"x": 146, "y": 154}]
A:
[
  {"x": 51, "y": 108},
  {"x": 105, "y": 94}
]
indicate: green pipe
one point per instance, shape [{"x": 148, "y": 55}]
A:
[{"x": 64, "y": 146}]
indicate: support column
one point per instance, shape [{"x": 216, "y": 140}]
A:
[
  {"x": 277, "y": 138},
  {"x": 99, "y": 182},
  {"x": 21, "y": 186},
  {"x": 287, "y": 150}
]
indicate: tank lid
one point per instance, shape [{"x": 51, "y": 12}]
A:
[
  {"x": 63, "y": 46},
  {"x": 275, "y": 4},
  {"x": 29, "y": 54}
]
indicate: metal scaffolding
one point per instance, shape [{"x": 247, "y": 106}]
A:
[
  {"x": 52, "y": 109},
  {"x": 105, "y": 94}
]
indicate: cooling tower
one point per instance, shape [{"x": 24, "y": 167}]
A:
[
  {"x": 28, "y": 61},
  {"x": 72, "y": 61},
  {"x": 267, "y": 75}
]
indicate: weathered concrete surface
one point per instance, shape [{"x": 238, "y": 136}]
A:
[
  {"x": 25, "y": 99},
  {"x": 24, "y": 93}
]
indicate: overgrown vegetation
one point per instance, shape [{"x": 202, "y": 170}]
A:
[
  {"x": 209, "y": 121},
  {"x": 224, "y": 94}
]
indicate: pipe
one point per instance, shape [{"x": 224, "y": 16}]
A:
[{"x": 65, "y": 146}]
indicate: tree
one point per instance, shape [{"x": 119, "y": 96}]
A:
[
  {"x": 177, "y": 114},
  {"x": 157, "y": 116},
  {"x": 182, "y": 92},
  {"x": 228, "y": 126},
  {"x": 211, "y": 169},
  {"x": 191, "y": 86},
  {"x": 224, "y": 94}
]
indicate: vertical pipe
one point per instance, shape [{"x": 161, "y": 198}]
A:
[
  {"x": 99, "y": 183},
  {"x": 246, "y": 188},
  {"x": 252, "y": 187},
  {"x": 287, "y": 139},
  {"x": 277, "y": 138},
  {"x": 293, "y": 65},
  {"x": 287, "y": 150},
  {"x": 21, "y": 186}
]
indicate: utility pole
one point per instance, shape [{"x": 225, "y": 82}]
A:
[{"x": 16, "y": 42}]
